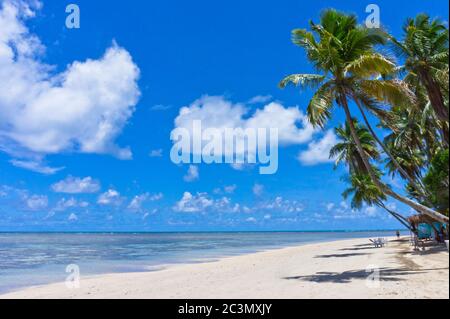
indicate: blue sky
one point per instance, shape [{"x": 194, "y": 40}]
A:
[{"x": 85, "y": 145}]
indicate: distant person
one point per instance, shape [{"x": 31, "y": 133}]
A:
[{"x": 398, "y": 234}]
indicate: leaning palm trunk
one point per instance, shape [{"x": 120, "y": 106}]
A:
[
  {"x": 420, "y": 188},
  {"x": 386, "y": 190},
  {"x": 397, "y": 216}
]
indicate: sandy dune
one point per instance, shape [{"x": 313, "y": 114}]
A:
[{"x": 327, "y": 270}]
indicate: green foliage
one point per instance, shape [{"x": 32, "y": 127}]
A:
[
  {"x": 409, "y": 101},
  {"x": 363, "y": 191},
  {"x": 343, "y": 52},
  {"x": 437, "y": 181},
  {"x": 346, "y": 152}
]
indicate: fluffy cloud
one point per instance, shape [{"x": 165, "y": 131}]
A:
[
  {"x": 216, "y": 112},
  {"x": 202, "y": 203},
  {"x": 343, "y": 211},
  {"x": 65, "y": 204},
  {"x": 138, "y": 201},
  {"x": 193, "y": 203},
  {"x": 110, "y": 198},
  {"x": 371, "y": 211},
  {"x": 72, "y": 218},
  {"x": 36, "y": 202},
  {"x": 258, "y": 189},
  {"x": 193, "y": 174},
  {"x": 82, "y": 109},
  {"x": 282, "y": 205},
  {"x": 76, "y": 185},
  {"x": 229, "y": 189},
  {"x": 318, "y": 152}
]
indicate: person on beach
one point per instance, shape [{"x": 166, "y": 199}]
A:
[{"x": 398, "y": 234}]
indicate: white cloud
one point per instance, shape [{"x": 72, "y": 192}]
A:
[
  {"x": 258, "y": 189},
  {"x": 330, "y": 206},
  {"x": 260, "y": 99},
  {"x": 202, "y": 203},
  {"x": 281, "y": 205},
  {"x": 215, "y": 112},
  {"x": 371, "y": 211},
  {"x": 76, "y": 185},
  {"x": 36, "y": 202},
  {"x": 344, "y": 211},
  {"x": 72, "y": 218},
  {"x": 193, "y": 174},
  {"x": 36, "y": 166},
  {"x": 193, "y": 204},
  {"x": 82, "y": 109},
  {"x": 229, "y": 189},
  {"x": 65, "y": 204},
  {"x": 318, "y": 152},
  {"x": 110, "y": 198},
  {"x": 344, "y": 205},
  {"x": 251, "y": 220},
  {"x": 137, "y": 202},
  {"x": 156, "y": 197},
  {"x": 246, "y": 209},
  {"x": 156, "y": 153}
]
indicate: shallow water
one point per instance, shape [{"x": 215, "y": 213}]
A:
[{"x": 35, "y": 259}]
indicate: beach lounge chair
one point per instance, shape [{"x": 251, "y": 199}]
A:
[
  {"x": 419, "y": 243},
  {"x": 378, "y": 243}
]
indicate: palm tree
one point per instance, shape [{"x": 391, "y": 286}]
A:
[
  {"x": 362, "y": 99},
  {"x": 345, "y": 55},
  {"x": 425, "y": 50},
  {"x": 346, "y": 152},
  {"x": 362, "y": 187},
  {"x": 365, "y": 191}
]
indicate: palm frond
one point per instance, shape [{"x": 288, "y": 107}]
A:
[
  {"x": 372, "y": 64},
  {"x": 303, "y": 81},
  {"x": 319, "y": 108},
  {"x": 393, "y": 92}
]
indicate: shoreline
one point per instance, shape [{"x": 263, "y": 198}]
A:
[
  {"x": 334, "y": 269},
  {"x": 45, "y": 277}
]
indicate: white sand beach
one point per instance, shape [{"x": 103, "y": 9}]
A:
[{"x": 325, "y": 270}]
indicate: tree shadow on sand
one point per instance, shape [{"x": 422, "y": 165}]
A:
[
  {"x": 386, "y": 274},
  {"x": 342, "y": 255},
  {"x": 358, "y": 248}
]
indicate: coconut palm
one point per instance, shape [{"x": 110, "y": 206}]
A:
[
  {"x": 363, "y": 101},
  {"x": 346, "y": 152},
  {"x": 349, "y": 66},
  {"x": 364, "y": 191},
  {"x": 425, "y": 49},
  {"x": 362, "y": 188},
  {"x": 413, "y": 140}
]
